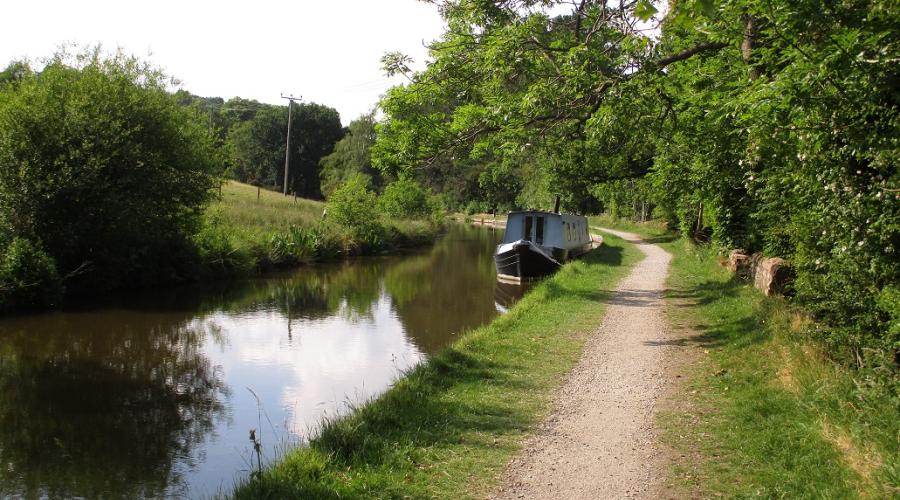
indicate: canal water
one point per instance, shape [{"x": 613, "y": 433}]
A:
[{"x": 155, "y": 395}]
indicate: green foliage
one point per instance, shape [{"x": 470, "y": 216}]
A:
[
  {"x": 768, "y": 125},
  {"x": 28, "y": 276},
  {"x": 351, "y": 155},
  {"x": 301, "y": 244},
  {"x": 15, "y": 72},
  {"x": 793, "y": 152},
  {"x": 256, "y": 148},
  {"x": 256, "y": 145},
  {"x": 216, "y": 248},
  {"x": 241, "y": 234},
  {"x": 100, "y": 164},
  {"x": 354, "y": 207},
  {"x": 404, "y": 198}
]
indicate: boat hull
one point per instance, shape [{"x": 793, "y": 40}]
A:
[{"x": 523, "y": 261}]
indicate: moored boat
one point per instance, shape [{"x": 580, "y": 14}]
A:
[{"x": 536, "y": 243}]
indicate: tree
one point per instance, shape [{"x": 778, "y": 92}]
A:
[
  {"x": 404, "y": 198},
  {"x": 507, "y": 75},
  {"x": 255, "y": 147},
  {"x": 100, "y": 165},
  {"x": 352, "y": 155},
  {"x": 15, "y": 72},
  {"x": 768, "y": 124},
  {"x": 315, "y": 131}
]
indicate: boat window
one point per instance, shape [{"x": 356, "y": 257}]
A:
[
  {"x": 539, "y": 231},
  {"x": 568, "y": 232},
  {"x": 528, "y": 222}
]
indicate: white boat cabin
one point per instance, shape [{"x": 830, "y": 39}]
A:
[{"x": 548, "y": 229}]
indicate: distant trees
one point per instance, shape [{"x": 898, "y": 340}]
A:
[
  {"x": 352, "y": 155},
  {"x": 102, "y": 170},
  {"x": 255, "y": 145},
  {"x": 255, "y": 148}
]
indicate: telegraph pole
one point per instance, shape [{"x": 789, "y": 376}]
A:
[{"x": 287, "y": 147}]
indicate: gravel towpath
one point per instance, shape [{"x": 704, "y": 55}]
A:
[{"x": 600, "y": 441}]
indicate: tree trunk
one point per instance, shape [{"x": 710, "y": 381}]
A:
[
  {"x": 699, "y": 219},
  {"x": 747, "y": 44}
]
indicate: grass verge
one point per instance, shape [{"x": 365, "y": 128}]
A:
[
  {"x": 249, "y": 229},
  {"x": 448, "y": 427},
  {"x": 765, "y": 412}
]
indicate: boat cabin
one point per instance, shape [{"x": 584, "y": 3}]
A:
[{"x": 562, "y": 235}]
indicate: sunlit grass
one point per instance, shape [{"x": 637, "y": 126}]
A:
[
  {"x": 448, "y": 428},
  {"x": 239, "y": 204},
  {"x": 247, "y": 229}
]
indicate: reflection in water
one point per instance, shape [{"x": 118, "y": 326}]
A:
[
  {"x": 151, "y": 395},
  {"x": 100, "y": 404}
]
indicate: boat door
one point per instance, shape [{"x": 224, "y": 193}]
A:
[{"x": 534, "y": 229}]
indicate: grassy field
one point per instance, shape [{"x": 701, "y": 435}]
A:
[
  {"x": 242, "y": 232},
  {"x": 765, "y": 413},
  {"x": 240, "y": 206},
  {"x": 447, "y": 428}
]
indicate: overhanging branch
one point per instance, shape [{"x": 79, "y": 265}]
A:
[{"x": 688, "y": 53}]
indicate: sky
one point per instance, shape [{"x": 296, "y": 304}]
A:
[{"x": 325, "y": 51}]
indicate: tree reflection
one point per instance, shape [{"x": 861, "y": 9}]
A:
[
  {"x": 351, "y": 287},
  {"x": 447, "y": 290},
  {"x": 100, "y": 405}
]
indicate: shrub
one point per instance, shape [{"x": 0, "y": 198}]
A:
[
  {"x": 298, "y": 244},
  {"x": 99, "y": 160},
  {"x": 354, "y": 207},
  {"x": 28, "y": 276},
  {"x": 404, "y": 198},
  {"x": 214, "y": 245}
]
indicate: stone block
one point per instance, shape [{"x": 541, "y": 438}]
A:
[
  {"x": 739, "y": 263},
  {"x": 770, "y": 274}
]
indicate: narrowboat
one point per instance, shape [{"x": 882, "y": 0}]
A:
[{"x": 536, "y": 243}]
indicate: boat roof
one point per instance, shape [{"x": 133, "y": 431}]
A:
[{"x": 547, "y": 212}]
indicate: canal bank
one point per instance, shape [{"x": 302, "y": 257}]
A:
[{"x": 450, "y": 425}]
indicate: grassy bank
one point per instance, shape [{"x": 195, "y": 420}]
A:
[
  {"x": 765, "y": 413},
  {"x": 447, "y": 428},
  {"x": 249, "y": 229}
]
